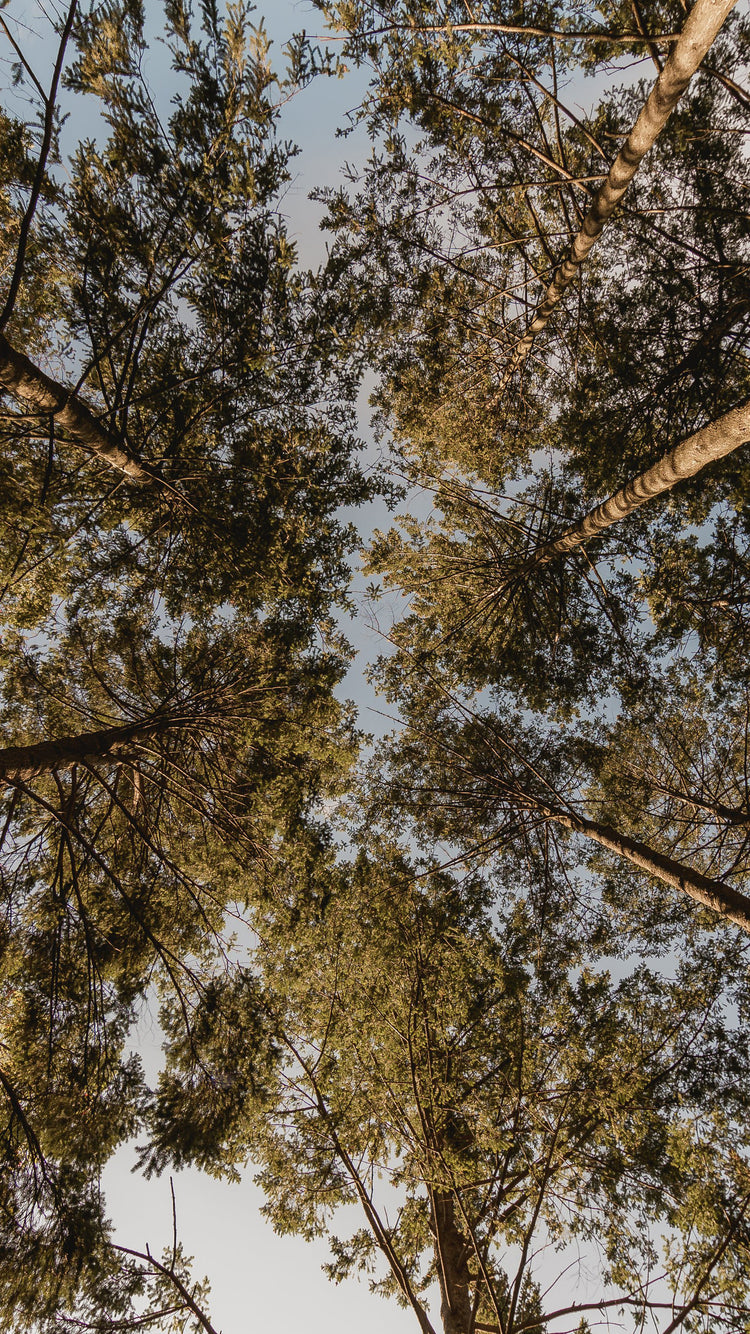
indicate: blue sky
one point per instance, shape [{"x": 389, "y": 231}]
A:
[{"x": 259, "y": 1279}]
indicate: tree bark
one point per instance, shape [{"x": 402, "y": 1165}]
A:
[
  {"x": 27, "y": 382},
  {"x": 721, "y": 898},
  {"x": 702, "y": 26},
  {"x": 521, "y": 30},
  {"x": 18, "y": 764},
  {"x": 713, "y": 442},
  {"x": 453, "y": 1272}
]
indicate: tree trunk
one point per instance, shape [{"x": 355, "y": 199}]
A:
[
  {"x": 453, "y": 1271},
  {"x": 18, "y": 764},
  {"x": 27, "y": 382},
  {"x": 721, "y": 898},
  {"x": 713, "y": 442},
  {"x": 702, "y": 26}
]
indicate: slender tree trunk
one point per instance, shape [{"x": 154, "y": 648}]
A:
[
  {"x": 566, "y": 35},
  {"x": 18, "y": 764},
  {"x": 453, "y": 1271},
  {"x": 702, "y": 26},
  {"x": 27, "y": 382},
  {"x": 721, "y": 898},
  {"x": 713, "y": 442},
  {"x": 381, "y": 1232}
]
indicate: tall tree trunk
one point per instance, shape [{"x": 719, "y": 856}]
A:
[
  {"x": 713, "y": 442},
  {"x": 27, "y": 382},
  {"x": 721, "y": 898},
  {"x": 18, "y": 764},
  {"x": 702, "y": 26},
  {"x": 451, "y": 1254}
]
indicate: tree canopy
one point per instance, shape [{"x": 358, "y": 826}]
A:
[{"x": 485, "y": 981}]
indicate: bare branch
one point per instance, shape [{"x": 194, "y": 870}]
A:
[{"x": 41, "y": 166}]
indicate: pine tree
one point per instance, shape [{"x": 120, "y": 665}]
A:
[
  {"x": 483, "y": 1091},
  {"x": 176, "y": 442}
]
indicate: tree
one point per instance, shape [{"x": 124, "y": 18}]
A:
[
  {"x": 653, "y": 351},
  {"x": 176, "y": 445},
  {"x": 359, "y": 1090},
  {"x": 191, "y": 354},
  {"x": 700, "y": 31},
  {"x": 65, "y": 408},
  {"x": 480, "y": 214},
  {"x": 124, "y": 849},
  {"x": 487, "y": 1095}
]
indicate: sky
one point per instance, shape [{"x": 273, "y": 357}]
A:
[{"x": 257, "y": 1278}]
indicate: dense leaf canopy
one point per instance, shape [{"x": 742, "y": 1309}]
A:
[{"x": 486, "y": 982}]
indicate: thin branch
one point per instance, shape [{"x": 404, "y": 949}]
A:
[
  {"x": 169, "y": 1273},
  {"x": 515, "y": 30},
  {"x": 716, "y": 1257},
  {"x": 702, "y": 26},
  {"x": 41, "y": 166}
]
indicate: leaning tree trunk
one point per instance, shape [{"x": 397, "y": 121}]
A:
[
  {"x": 721, "y": 898},
  {"x": 713, "y": 442},
  {"x": 27, "y": 382},
  {"x": 19, "y": 764},
  {"x": 702, "y": 26}
]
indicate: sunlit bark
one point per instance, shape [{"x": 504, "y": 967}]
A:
[
  {"x": 28, "y": 383},
  {"x": 713, "y": 442},
  {"x": 721, "y": 898},
  {"x": 702, "y": 27}
]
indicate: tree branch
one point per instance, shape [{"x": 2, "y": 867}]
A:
[
  {"x": 49, "y": 122},
  {"x": 702, "y": 26}
]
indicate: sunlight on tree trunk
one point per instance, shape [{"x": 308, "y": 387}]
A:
[
  {"x": 703, "y": 25},
  {"x": 713, "y": 442},
  {"x": 27, "y": 382},
  {"x": 721, "y": 898}
]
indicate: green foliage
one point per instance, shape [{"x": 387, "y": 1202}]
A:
[
  {"x": 493, "y": 1022},
  {"x": 185, "y": 324},
  {"x": 188, "y": 621},
  {"x": 481, "y": 1090}
]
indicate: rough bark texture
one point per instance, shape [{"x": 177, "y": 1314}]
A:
[
  {"x": 18, "y": 764},
  {"x": 27, "y": 382},
  {"x": 702, "y": 26},
  {"x": 721, "y": 898},
  {"x": 452, "y": 1267},
  {"x": 713, "y": 442}
]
